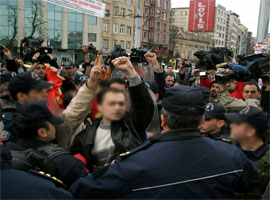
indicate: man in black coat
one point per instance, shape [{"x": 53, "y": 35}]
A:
[
  {"x": 117, "y": 131},
  {"x": 36, "y": 129}
]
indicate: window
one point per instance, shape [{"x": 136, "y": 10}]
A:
[
  {"x": 129, "y": 30},
  {"x": 158, "y": 26},
  {"x": 174, "y": 20},
  {"x": 92, "y": 37},
  {"x": 165, "y": 16},
  {"x": 115, "y": 28},
  {"x": 128, "y": 45},
  {"x": 105, "y": 44},
  {"x": 106, "y": 27},
  {"x": 158, "y": 3},
  {"x": 166, "y": 4},
  {"x": 116, "y": 11},
  {"x": 164, "y": 27},
  {"x": 92, "y": 20},
  {"x": 151, "y": 23},
  {"x": 158, "y": 14},
  {"x": 123, "y": 11},
  {"x": 130, "y": 1},
  {"x": 146, "y": 11},
  {"x": 152, "y": 10},
  {"x": 184, "y": 13},
  {"x": 164, "y": 39},
  {"x": 151, "y": 35},
  {"x": 122, "y": 44},
  {"x": 129, "y": 15},
  {"x": 75, "y": 29},
  {"x": 157, "y": 37},
  {"x": 122, "y": 29},
  {"x": 114, "y": 44},
  {"x": 145, "y": 35},
  {"x": 176, "y": 13},
  {"x": 54, "y": 26},
  {"x": 183, "y": 20}
]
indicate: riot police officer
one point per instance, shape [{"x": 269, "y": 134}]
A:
[{"x": 180, "y": 164}]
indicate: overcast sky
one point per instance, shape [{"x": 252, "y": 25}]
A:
[{"x": 247, "y": 9}]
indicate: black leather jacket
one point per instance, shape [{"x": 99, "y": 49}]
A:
[{"x": 127, "y": 133}]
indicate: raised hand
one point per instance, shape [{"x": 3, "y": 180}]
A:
[
  {"x": 152, "y": 59},
  {"x": 96, "y": 75},
  {"x": 7, "y": 53},
  {"x": 123, "y": 64}
]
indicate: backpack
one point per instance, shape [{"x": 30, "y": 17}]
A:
[{"x": 40, "y": 158}]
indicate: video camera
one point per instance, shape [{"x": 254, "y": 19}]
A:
[
  {"x": 1, "y": 52},
  {"x": 187, "y": 64},
  {"x": 116, "y": 53},
  {"x": 92, "y": 49},
  {"x": 137, "y": 55},
  {"x": 30, "y": 46},
  {"x": 209, "y": 60}
]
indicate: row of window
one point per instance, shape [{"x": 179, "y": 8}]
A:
[
  {"x": 158, "y": 26},
  {"x": 150, "y": 36},
  {"x": 105, "y": 44},
  {"x": 127, "y": 1},
  {"x": 122, "y": 13},
  {"x": 220, "y": 28},
  {"x": 175, "y": 20},
  {"x": 158, "y": 13},
  {"x": 176, "y": 13},
  {"x": 116, "y": 28}
]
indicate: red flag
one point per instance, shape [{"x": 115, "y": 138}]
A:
[{"x": 55, "y": 94}]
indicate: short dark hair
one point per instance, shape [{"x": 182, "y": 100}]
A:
[
  {"x": 252, "y": 83},
  {"x": 169, "y": 74},
  {"x": 212, "y": 83},
  {"x": 28, "y": 131},
  {"x": 14, "y": 93},
  {"x": 117, "y": 80},
  {"x": 102, "y": 93},
  {"x": 175, "y": 121},
  {"x": 260, "y": 133}
]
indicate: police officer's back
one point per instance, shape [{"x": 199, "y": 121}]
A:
[{"x": 181, "y": 164}]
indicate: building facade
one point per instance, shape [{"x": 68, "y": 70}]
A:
[
  {"x": 220, "y": 26},
  {"x": 180, "y": 18},
  {"x": 156, "y": 21},
  {"x": 233, "y": 32}
]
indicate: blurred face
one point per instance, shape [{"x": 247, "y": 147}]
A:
[
  {"x": 169, "y": 81},
  {"x": 170, "y": 69},
  {"x": 113, "y": 106},
  {"x": 40, "y": 71},
  {"x": 240, "y": 132},
  {"x": 231, "y": 86},
  {"x": 119, "y": 86},
  {"x": 69, "y": 72},
  {"x": 251, "y": 92},
  {"x": 214, "y": 90},
  {"x": 210, "y": 126}
]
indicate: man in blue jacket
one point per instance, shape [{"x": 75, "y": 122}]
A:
[{"x": 181, "y": 164}]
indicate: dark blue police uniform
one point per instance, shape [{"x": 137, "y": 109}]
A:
[{"x": 181, "y": 164}]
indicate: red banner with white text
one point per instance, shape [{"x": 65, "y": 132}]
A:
[{"x": 201, "y": 15}]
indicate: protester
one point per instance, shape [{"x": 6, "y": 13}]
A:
[
  {"x": 99, "y": 143},
  {"x": 178, "y": 173},
  {"x": 250, "y": 129}
]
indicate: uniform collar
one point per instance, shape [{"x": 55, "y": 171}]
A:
[
  {"x": 258, "y": 153},
  {"x": 176, "y": 134}
]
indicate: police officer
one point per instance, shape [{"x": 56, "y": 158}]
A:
[
  {"x": 36, "y": 130},
  {"x": 180, "y": 164},
  {"x": 250, "y": 129},
  {"x": 213, "y": 122}
]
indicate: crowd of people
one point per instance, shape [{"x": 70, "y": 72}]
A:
[{"x": 108, "y": 130}]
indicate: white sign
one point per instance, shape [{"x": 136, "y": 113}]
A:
[{"x": 90, "y": 7}]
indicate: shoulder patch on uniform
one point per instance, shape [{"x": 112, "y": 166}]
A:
[{"x": 5, "y": 135}]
